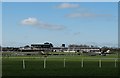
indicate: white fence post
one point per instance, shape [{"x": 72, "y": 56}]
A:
[
  {"x": 64, "y": 62},
  {"x": 82, "y": 63},
  {"x": 44, "y": 63},
  {"x": 23, "y": 64},
  {"x": 99, "y": 63},
  {"x": 115, "y": 63}
]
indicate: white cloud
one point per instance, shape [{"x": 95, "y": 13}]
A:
[
  {"x": 67, "y": 5},
  {"x": 35, "y": 22},
  {"x": 30, "y": 21},
  {"x": 86, "y": 15},
  {"x": 51, "y": 26},
  {"x": 77, "y": 33}
]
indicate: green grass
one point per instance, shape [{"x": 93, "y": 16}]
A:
[{"x": 12, "y": 66}]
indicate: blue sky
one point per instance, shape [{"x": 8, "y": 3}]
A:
[
  {"x": 0, "y": 23},
  {"x": 92, "y": 23}
]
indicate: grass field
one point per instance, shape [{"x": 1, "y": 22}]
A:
[{"x": 56, "y": 66}]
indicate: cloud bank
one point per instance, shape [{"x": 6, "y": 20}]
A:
[
  {"x": 35, "y": 22},
  {"x": 76, "y": 14},
  {"x": 86, "y": 15},
  {"x": 67, "y": 5}
]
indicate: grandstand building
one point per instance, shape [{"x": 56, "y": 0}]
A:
[
  {"x": 82, "y": 48},
  {"x": 48, "y": 47},
  {"x": 59, "y": 49}
]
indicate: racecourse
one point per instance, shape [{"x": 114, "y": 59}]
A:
[{"x": 60, "y": 65}]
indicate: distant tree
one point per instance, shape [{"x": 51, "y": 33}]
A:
[
  {"x": 104, "y": 49},
  {"x": 27, "y": 46},
  {"x": 46, "y": 43},
  {"x": 51, "y": 45},
  {"x": 91, "y": 46}
]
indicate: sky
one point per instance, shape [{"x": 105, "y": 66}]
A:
[
  {"x": 91, "y": 23},
  {"x": 0, "y": 23},
  {"x": 60, "y": 0}
]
